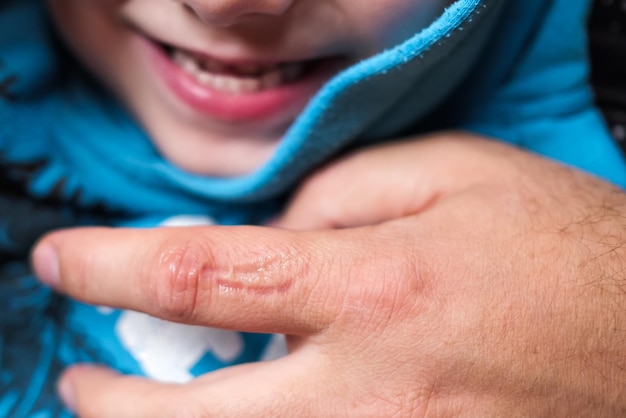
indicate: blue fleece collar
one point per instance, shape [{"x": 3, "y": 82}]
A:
[{"x": 95, "y": 151}]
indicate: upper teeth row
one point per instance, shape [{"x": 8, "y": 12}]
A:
[{"x": 249, "y": 78}]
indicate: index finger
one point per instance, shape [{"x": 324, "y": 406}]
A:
[{"x": 247, "y": 278}]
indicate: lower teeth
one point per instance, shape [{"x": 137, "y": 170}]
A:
[{"x": 235, "y": 84}]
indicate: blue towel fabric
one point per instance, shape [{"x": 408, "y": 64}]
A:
[{"x": 515, "y": 70}]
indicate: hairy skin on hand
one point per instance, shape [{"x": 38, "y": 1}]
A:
[{"x": 540, "y": 249}]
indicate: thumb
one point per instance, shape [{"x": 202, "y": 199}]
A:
[{"x": 390, "y": 181}]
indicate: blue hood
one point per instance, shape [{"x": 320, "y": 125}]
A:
[{"x": 515, "y": 70}]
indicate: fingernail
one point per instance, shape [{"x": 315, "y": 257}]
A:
[
  {"x": 46, "y": 264},
  {"x": 66, "y": 392}
]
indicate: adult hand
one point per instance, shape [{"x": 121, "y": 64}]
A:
[{"x": 467, "y": 279}]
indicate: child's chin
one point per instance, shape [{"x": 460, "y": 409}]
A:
[{"x": 231, "y": 158}]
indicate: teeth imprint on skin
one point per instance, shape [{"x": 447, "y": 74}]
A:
[{"x": 236, "y": 79}]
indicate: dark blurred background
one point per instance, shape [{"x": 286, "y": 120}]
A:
[{"x": 607, "y": 29}]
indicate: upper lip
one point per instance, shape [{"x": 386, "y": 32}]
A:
[{"x": 233, "y": 61}]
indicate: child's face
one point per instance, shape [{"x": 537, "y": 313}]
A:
[{"x": 217, "y": 82}]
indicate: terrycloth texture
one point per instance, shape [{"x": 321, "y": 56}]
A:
[{"x": 513, "y": 69}]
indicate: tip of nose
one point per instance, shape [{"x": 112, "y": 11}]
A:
[{"x": 230, "y": 12}]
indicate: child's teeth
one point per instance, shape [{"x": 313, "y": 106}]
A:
[
  {"x": 228, "y": 84},
  {"x": 186, "y": 61},
  {"x": 246, "y": 78},
  {"x": 250, "y": 85}
]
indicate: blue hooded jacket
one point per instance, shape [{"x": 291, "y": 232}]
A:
[{"x": 511, "y": 69}]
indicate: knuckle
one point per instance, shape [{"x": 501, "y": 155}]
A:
[
  {"x": 175, "y": 286},
  {"x": 390, "y": 282},
  {"x": 402, "y": 282}
]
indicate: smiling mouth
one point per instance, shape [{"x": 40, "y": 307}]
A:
[
  {"x": 239, "y": 89},
  {"x": 237, "y": 79}
]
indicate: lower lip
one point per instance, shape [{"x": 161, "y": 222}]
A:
[{"x": 244, "y": 107}]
